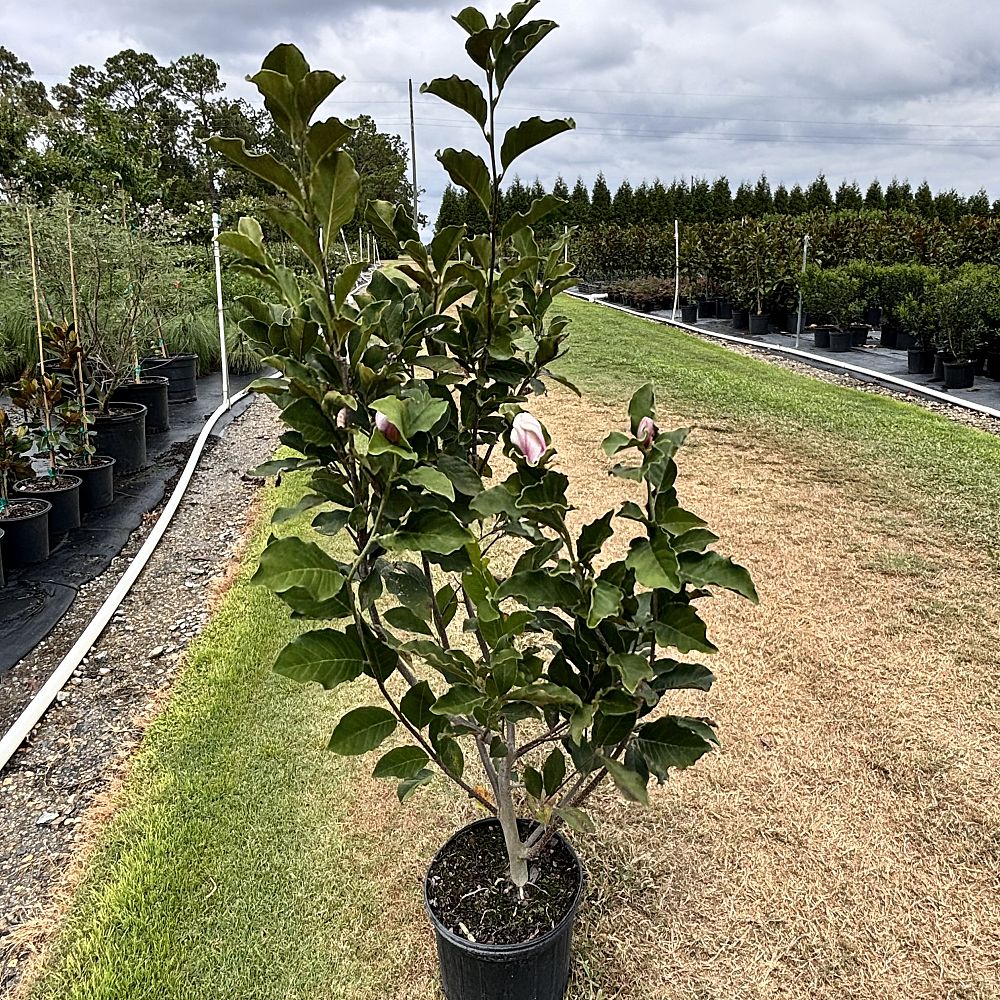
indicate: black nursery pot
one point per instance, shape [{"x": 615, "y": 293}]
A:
[
  {"x": 920, "y": 361},
  {"x": 25, "y": 537},
  {"x": 62, "y": 493},
  {"x": 939, "y": 362},
  {"x": 758, "y": 324},
  {"x": 707, "y": 309},
  {"x": 181, "y": 369},
  {"x": 121, "y": 433},
  {"x": 840, "y": 341},
  {"x": 689, "y": 314},
  {"x": 887, "y": 337},
  {"x": 959, "y": 374},
  {"x": 153, "y": 392},
  {"x": 904, "y": 341},
  {"x": 535, "y": 970},
  {"x": 859, "y": 334},
  {"x": 993, "y": 366},
  {"x": 821, "y": 337},
  {"x": 98, "y": 482},
  {"x": 873, "y": 315},
  {"x": 741, "y": 318},
  {"x": 724, "y": 309}
]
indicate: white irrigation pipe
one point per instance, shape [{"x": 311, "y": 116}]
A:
[
  {"x": 870, "y": 373},
  {"x": 38, "y": 705}
]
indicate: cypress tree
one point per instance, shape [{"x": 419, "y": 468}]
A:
[
  {"x": 923, "y": 201},
  {"x": 660, "y": 206},
  {"x": 562, "y": 216},
  {"x": 874, "y": 199},
  {"x": 898, "y": 197},
  {"x": 623, "y": 205},
  {"x": 781, "y": 200},
  {"x": 700, "y": 200},
  {"x": 797, "y": 204},
  {"x": 848, "y": 197},
  {"x": 452, "y": 211},
  {"x": 763, "y": 202},
  {"x": 818, "y": 196},
  {"x": 640, "y": 203},
  {"x": 579, "y": 204},
  {"x": 600, "y": 201},
  {"x": 978, "y": 204},
  {"x": 743, "y": 201},
  {"x": 722, "y": 200}
]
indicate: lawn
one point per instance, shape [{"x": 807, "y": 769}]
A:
[{"x": 841, "y": 845}]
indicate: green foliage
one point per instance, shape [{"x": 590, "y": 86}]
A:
[
  {"x": 832, "y": 295},
  {"x": 15, "y": 446},
  {"x": 396, "y": 400}
]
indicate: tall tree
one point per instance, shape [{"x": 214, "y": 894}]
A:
[
  {"x": 640, "y": 203},
  {"x": 923, "y": 201},
  {"x": 797, "y": 203},
  {"x": 600, "y": 201},
  {"x": 781, "y": 200},
  {"x": 23, "y": 104},
  {"x": 898, "y": 197},
  {"x": 452, "y": 211},
  {"x": 848, "y": 197},
  {"x": 818, "y": 196},
  {"x": 623, "y": 205},
  {"x": 660, "y": 207},
  {"x": 722, "y": 200},
  {"x": 874, "y": 198},
  {"x": 564, "y": 216},
  {"x": 763, "y": 201},
  {"x": 978, "y": 203},
  {"x": 743, "y": 201},
  {"x": 579, "y": 204},
  {"x": 700, "y": 200}
]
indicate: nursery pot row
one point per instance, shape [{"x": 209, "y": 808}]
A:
[
  {"x": 153, "y": 393},
  {"x": 25, "y": 531},
  {"x": 62, "y": 493},
  {"x": 180, "y": 369},
  {"x": 120, "y": 432}
]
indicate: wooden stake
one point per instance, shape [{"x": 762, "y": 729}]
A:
[{"x": 41, "y": 347}]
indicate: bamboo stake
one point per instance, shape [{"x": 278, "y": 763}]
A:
[{"x": 41, "y": 348}]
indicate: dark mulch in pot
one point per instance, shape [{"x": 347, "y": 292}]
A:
[
  {"x": 19, "y": 510},
  {"x": 74, "y": 464},
  {"x": 470, "y": 892},
  {"x": 48, "y": 484}
]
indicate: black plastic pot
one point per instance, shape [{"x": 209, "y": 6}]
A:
[
  {"x": 707, "y": 309},
  {"x": 724, "y": 309},
  {"x": 887, "y": 337},
  {"x": 689, "y": 314},
  {"x": 3, "y": 578},
  {"x": 859, "y": 334},
  {"x": 792, "y": 321},
  {"x": 181, "y": 369},
  {"x": 993, "y": 366},
  {"x": 25, "y": 539},
  {"x": 63, "y": 492},
  {"x": 840, "y": 341},
  {"x": 959, "y": 374},
  {"x": 873, "y": 315},
  {"x": 741, "y": 318},
  {"x": 98, "y": 482},
  {"x": 904, "y": 341},
  {"x": 121, "y": 433},
  {"x": 759, "y": 323},
  {"x": 153, "y": 392},
  {"x": 920, "y": 361},
  {"x": 939, "y": 362},
  {"x": 536, "y": 970},
  {"x": 821, "y": 337}
]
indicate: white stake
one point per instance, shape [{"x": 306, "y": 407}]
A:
[
  {"x": 798, "y": 323},
  {"x": 224, "y": 354},
  {"x": 677, "y": 268}
]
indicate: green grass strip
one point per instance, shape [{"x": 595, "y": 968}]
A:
[{"x": 893, "y": 450}]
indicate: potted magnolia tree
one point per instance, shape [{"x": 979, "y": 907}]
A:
[
  {"x": 23, "y": 520},
  {"x": 506, "y": 650}
]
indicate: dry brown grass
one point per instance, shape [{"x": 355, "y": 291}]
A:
[{"x": 843, "y": 843}]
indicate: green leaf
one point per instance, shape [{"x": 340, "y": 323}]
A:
[
  {"x": 711, "y": 569},
  {"x": 532, "y": 782},
  {"x": 416, "y": 704},
  {"x": 308, "y": 418},
  {"x": 469, "y": 171},
  {"x": 654, "y": 563},
  {"x": 554, "y": 771},
  {"x": 471, "y": 19},
  {"x": 402, "y": 762},
  {"x": 323, "y": 656},
  {"x": 324, "y": 137},
  {"x": 615, "y": 442},
  {"x": 505, "y": 674},
  {"x": 582, "y": 718},
  {"x": 541, "y": 589},
  {"x": 459, "y": 700},
  {"x": 630, "y": 783},
  {"x": 288, "y": 563},
  {"x": 307, "y": 502},
  {"x": 432, "y": 481},
  {"x": 545, "y": 693},
  {"x": 605, "y": 602},
  {"x": 313, "y": 89},
  {"x": 331, "y": 522},
  {"x": 462, "y": 94},
  {"x": 679, "y": 626},
  {"x": 410, "y": 785},
  {"x": 520, "y": 43},
  {"x": 464, "y": 478},
  {"x": 593, "y": 536},
  {"x": 539, "y": 209},
  {"x": 576, "y": 819},
  {"x": 610, "y": 729},
  {"x": 403, "y": 618},
  {"x": 678, "y": 521},
  {"x": 262, "y": 165},
  {"x": 695, "y": 540},
  {"x": 674, "y": 676},
  {"x": 530, "y": 133},
  {"x": 642, "y": 404},
  {"x": 633, "y": 669},
  {"x": 451, "y": 756},
  {"x": 362, "y": 730},
  {"x": 429, "y": 530},
  {"x": 673, "y": 741},
  {"x": 334, "y": 187}
]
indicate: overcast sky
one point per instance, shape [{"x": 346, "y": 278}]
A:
[{"x": 854, "y": 88}]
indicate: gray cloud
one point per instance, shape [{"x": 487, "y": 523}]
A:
[{"x": 849, "y": 87}]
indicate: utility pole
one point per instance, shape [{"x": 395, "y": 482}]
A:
[{"x": 413, "y": 160}]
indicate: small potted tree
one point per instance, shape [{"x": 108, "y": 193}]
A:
[
  {"x": 397, "y": 405},
  {"x": 960, "y": 310},
  {"x": 24, "y": 521},
  {"x": 919, "y": 316}
]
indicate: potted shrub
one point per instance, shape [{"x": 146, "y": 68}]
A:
[
  {"x": 77, "y": 455},
  {"x": 39, "y": 398},
  {"x": 396, "y": 406},
  {"x": 24, "y": 521},
  {"x": 959, "y": 309},
  {"x": 920, "y": 318}
]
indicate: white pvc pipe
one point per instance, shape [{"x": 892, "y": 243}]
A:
[
  {"x": 38, "y": 705},
  {"x": 224, "y": 354},
  {"x": 878, "y": 376}
]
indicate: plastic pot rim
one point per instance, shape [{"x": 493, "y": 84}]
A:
[{"x": 506, "y": 950}]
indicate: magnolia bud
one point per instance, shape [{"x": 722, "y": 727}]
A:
[
  {"x": 343, "y": 417},
  {"x": 389, "y": 430},
  {"x": 647, "y": 431},
  {"x": 527, "y": 436}
]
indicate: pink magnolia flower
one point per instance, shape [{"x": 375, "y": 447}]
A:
[
  {"x": 528, "y": 438},
  {"x": 389, "y": 430},
  {"x": 344, "y": 417},
  {"x": 647, "y": 431}
]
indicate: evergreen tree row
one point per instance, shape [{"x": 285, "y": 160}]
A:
[{"x": 702, "y": 200}]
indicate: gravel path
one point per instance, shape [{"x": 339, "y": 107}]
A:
[{"x": 84, "y": 741}]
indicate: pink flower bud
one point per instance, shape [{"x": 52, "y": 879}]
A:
[
  {"x": 646, "y": 434},
  {"x": 528, "y": 438},
  {"x": 344, "y": 417},
  {"x": 389, "y": 430}
]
